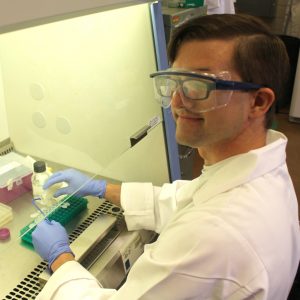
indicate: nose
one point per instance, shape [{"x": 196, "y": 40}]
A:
[
  {"x": 176, "y": 100},
  {"x": 179, "y": 100}
]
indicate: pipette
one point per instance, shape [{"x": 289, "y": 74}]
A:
[{"x": 40, "y": 210}]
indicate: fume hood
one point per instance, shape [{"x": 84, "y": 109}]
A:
[{"x": 75, "y": 92}]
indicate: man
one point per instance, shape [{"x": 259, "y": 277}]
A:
[{"x": 231, "y": 233}]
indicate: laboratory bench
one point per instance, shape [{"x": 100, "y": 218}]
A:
[{"x": 91, "y": 233}]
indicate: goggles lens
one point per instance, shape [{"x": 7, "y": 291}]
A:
[
  {"x": 199, "y": 91},
  {"x": 195, "y": 89}
]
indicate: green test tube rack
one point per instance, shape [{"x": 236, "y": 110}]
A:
[{"x": 63, "y": 215}]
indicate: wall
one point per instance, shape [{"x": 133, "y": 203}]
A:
[
  {"x": 287, "y": 17},
  {"x": 294, "y": 24},
  {"x": 3, "y": 120},
  {"x": 279, "y": 22}
]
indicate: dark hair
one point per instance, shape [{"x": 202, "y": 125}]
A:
[{"x": 259, "y": 57}]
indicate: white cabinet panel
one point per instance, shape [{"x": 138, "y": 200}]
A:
[
  {"x": 13, "y": 13},
  {"x": 81, "y": 87}
]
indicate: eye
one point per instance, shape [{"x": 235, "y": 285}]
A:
[
  {"x": 165, "y": 86},
  {"x": 195, "y": 89}
]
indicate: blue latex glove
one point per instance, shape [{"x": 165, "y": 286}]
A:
[
  {"x": 79, "y": 184},
  {"x": 50, "y": 239}
]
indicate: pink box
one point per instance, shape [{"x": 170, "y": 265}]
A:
[
  {"x": 18, "y": 188},
  {"x": 15, "y": 177}
]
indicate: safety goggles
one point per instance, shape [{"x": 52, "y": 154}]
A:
[{"x": 199, "y": 91}]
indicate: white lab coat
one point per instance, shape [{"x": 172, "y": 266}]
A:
[
  {"x": 232, "y": 233},
  {"x": 220, "y": 6}
]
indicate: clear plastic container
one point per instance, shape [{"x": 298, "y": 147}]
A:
[
  {"x": 5, "y": 214},
  {"x": 39, "y": 177},
  {"x": 14, "y": 177}
]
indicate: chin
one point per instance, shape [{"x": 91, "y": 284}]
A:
[
  {"x": 183, "y": 140},
  {"x": 187, "y": 136}
]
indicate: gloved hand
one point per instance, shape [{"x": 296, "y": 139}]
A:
[
  {"x": 79, "y": 184},
  {"x": 50, "y": 239}
]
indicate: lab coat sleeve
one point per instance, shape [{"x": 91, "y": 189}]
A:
[
  {"x": 72, "y": 281},
  {"x": 191, "y": 269},
  {"x": 147, "y": 206},
  {"x": 185, "y": 263}
]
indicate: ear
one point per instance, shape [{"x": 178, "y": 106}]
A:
[{"x": 261, "y": 102}]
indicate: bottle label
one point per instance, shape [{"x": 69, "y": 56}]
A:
[{"x": 38, "y": 180}]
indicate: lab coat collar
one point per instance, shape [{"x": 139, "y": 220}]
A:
[{"x": 236, "y": 170}]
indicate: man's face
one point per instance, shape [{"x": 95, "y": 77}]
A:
[{"x": 221, "y": 125}]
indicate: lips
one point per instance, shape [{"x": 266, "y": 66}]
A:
[
  {"x": 189, "y": 117},
  {"x": 186, "y": 115}
]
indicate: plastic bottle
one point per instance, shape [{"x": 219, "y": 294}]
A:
[{"x": 38, "y": 179}]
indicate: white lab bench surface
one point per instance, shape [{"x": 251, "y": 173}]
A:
[
  {"x": 18, "y": 260},
  {"x": 99, "y": 239}
]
